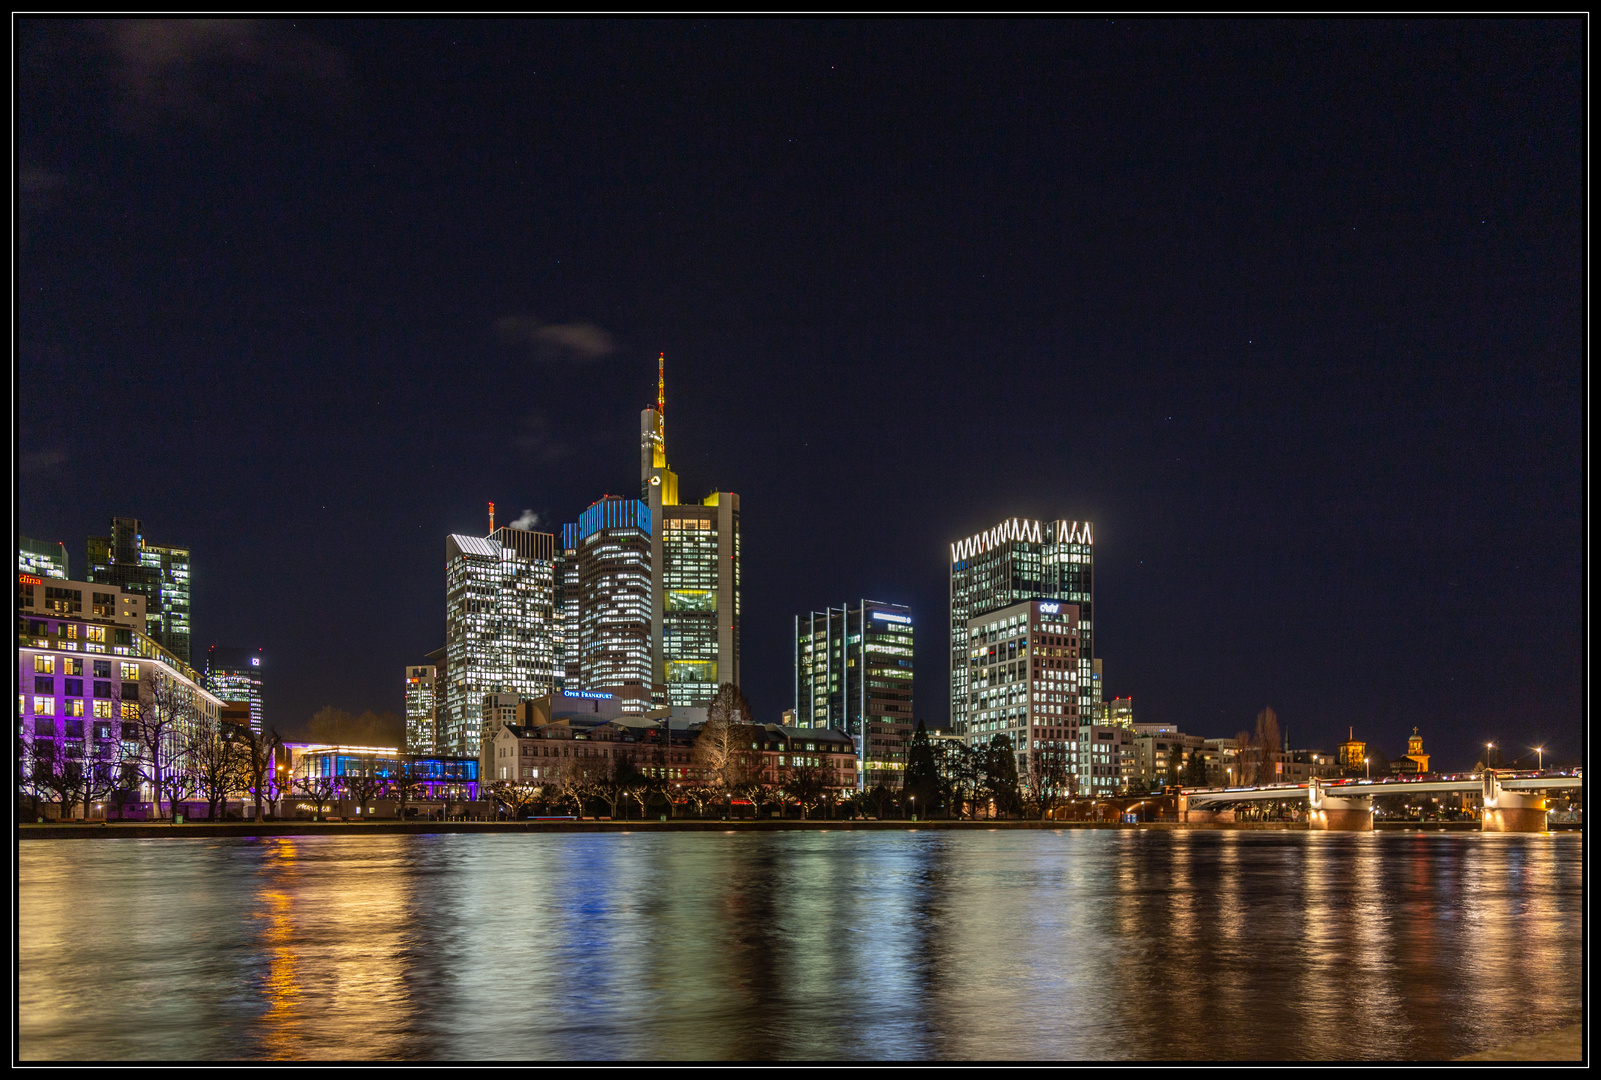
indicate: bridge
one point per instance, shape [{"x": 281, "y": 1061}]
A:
[{"x": 1512, "y": 802}]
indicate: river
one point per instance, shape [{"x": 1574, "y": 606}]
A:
[{"x": 997, "y": 945}]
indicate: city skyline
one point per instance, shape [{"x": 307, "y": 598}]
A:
[{"x": 1318, "y": 388}]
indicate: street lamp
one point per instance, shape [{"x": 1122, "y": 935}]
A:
[
  {"x": 1540, "y": 752},
  {"x": 1367, "y": 763},
  {"x": 914, "y": 807}
]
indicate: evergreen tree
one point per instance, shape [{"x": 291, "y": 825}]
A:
[
  {"x": 1195, "y": 770},
  {"x": 1001, "y": 776},
  {"x": 922, "y": 772}
]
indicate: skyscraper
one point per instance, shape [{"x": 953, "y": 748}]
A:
[
  {"x": 420, "y": 709},
  {"x": 1019, "y": 560},
  {"x": 41, "y": 559},
  {"x": 499, "y": 595},
  {"x": 853, "y": 673},
  {"x": 569, "y": 671},
  {"x": 236, "y": 675},
  {"x": 695, "y": 561},
  {"x": 157, "y": 572},
  {"x": 614, "y": 607}
]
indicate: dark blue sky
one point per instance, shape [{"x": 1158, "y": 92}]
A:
[{"x": 1292, "y": 311}]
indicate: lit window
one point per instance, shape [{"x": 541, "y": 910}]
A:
[
  {"x": 130, "y": 672},
  {"x": 103, "y": 709},
  {"x": 44, "y": 706},
  {"x": 45, "y": 665}
]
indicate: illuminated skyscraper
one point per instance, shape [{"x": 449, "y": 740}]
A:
[
  {"x": 1021, "y": 560},
  {"x": 569, "y": 671},
  {"x": 695, "y": 559},
  {"x": 614, "y": 583},
  {"x": 420, "y": 705},
  {"x": 853, "y": 673},
  {"x": 235, "y": 675},
  {"x": 499, "y": 596},
  {"x": 41, "y": 559},
  {"x": 158, "y": 573}
]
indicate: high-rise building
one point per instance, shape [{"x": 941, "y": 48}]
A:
[
  {"x": 157, "y": 572},
  {"x": 695, "y": 560},
  {"x": 499, "y": 595},
  {"x": 79, "y": 599},
  {"x": 1021, "y": 559},
  {"x": 569, "y": 671},
  {"x": 1023, "y": 676},
  {"x": 235, "y": 675},
  {"x": 614, "y": 584},
  {"x": 853, "y": 673},
  {"x": 420, "y": 717},
  {"x": 42, "y": 559}
]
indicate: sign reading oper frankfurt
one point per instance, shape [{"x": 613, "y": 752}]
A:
[{"x": 1068, "y": 532}]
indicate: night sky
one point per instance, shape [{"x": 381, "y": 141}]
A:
[{"x": 1294, "y": 313}]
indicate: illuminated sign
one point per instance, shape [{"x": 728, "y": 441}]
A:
[
  {"x": 588, "y": 695},
  {"x": 887, "y": 617},
  {"x": 29, "y": 579},
  {"x": 1050, "y": 609},
  {"x": 255, "y": 661},
  {"x": 656, "y": 480}
]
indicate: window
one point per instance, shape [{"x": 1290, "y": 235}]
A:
[
  {"x": 130, "y": 710},
  {"x": 102, "y": 687},
  {"x": 44, "y": 664},
  {"x": 44, "y": 727},
  {"x": 74, "y": 707},
  {"x": 44, "y": 684},
  {"x": 44, "y": 706},
  {"x": 95, "y": 633},
  {"x": 71, "y": 665},
  {"x": 102, "y": 669},
  {"x": 130, "y": 671},
  {"x": 103, "y": 709},
  {"x": 74, "y": 729}
]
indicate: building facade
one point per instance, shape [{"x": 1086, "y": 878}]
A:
[
  {"x": 499, "y": 599},
  {"x": 614, "y": 609},
  {"x": 1018, "y": 560},
  {"x": 695, "y": 576},
  {"x": 79, "y": 692},
  {"x": 42, "y": 559},
  {"x": 158, "y": 572},
  {"x": 853, "y": 673},
  {"x": 236, "y": 675},
  {"x": 569, "y": 666},
  {"x": 420, "y": 709},
  {"x": 54, "y": 597},
  {"x": 1024, "y": 677}
]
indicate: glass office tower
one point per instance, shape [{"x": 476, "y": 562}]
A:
[
  {"x": 499, "y": 599},
  {"x": 41, "y": 559},
  {"x": 569, "y": 672},
  {"x": 614, "y": 582},
  {"x": 157, "y": 572},
  {"x": 1019, "y": 560},
  {"x": 420, "y": 703},
  {"x": 853, "y": 673},
  {"x": 235, "y": 675}
]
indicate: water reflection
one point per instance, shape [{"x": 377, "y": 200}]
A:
[{"x": 828, "y": 945}]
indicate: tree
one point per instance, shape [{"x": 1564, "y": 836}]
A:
[
  {"x": 364, "y": 785},
  {"x": 1268, "y": 744},
  {"x": 1175, "y": 770},
  {"x": 403, "y": 783},
  {"x": 319, "y": 789},
  {"x": 258, "y": 758},
  {"x": 166, "y": 718},
  {"x": 642, "y": 787},
  {"x": 574, "y": 779},
  {"x": 726, "y": 749},
  {"x": 874, "y": 800},
  {"x": 215, "y": 761},
  {"x": 517, "y": 796},
  {"x": 72, "y": 780},
  {"x": 806, "y": 784},
  {"x": 339, "y": 728},
  {"x": 1000, "y": 775},
  {"x": 922, "y": 772},
  {"x": 1045, "y": 787},
  {"x": 612, "y": 785},
  {"x": 700, "y": 795},
  {"x": 123, "y": 786},
  {"x": 1195, "y": 770}
]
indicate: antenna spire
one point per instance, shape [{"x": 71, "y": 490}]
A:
[
  {"x": 491, "y": 519},
  {"x": 661, "y": 383}
]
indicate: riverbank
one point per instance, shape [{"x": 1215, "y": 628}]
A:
[{"x": 108, "y": 830}]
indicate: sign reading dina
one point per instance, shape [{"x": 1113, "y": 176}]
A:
[{"x": 887, "y": 617}]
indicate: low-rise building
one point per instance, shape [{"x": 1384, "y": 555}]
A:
[{"x": 1164, "y": 751}]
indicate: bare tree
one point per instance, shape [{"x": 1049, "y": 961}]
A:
[
  {"x": 167, "y": 716},
  {"x": 364, "y": 786},
  {"x": 573, "y": 779},
  {"x": 727, "y": 748},
  {"x": 806, "y": 785},
  {"x": 516, "y": 796},
  {"x": 1045, "y": 786},
  {"x": 642, "y": 788},
  {"x": 1268, "y": 744},
  {"x": 321, "y": 790},
  {"x": 403, "y": 783},
  {"x": 216, "y": 763},
  {"x": 259, "y": 755}
]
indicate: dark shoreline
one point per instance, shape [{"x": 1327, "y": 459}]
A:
[{"x": 146, "y": 830}]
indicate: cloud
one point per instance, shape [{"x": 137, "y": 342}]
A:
[
  {"x": 570, "y": 341},
  {"x": 527, "y": 521},
  {"x": 200, "y": 70},
  {"x": 40, "y": 461},
  {"x": 541, "y": 441}
]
